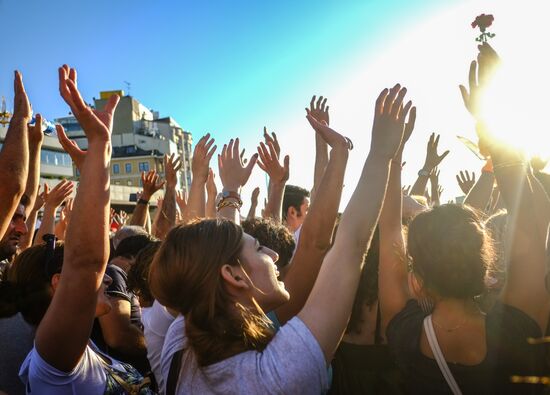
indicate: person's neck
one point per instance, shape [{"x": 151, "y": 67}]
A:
[{"x": 448, "y": 308}]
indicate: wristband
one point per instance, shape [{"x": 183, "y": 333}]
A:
[
  {"x": 142, "y": 201},
  {"x": 231, "y": 194}
]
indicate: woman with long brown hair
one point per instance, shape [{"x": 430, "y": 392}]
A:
[{"x": 222, "y": 281}]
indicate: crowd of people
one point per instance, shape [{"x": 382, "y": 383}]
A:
[{"x": 397, "y": 294}]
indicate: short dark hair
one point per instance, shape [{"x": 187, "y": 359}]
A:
[
  {"x": 294, "y": 197},
  {"x": 130, "y": 246},
  {"x": 272, "y": 235},
  {"x": 138, "y": 275}
]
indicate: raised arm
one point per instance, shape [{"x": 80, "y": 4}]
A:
[
  {"x": 26, "y": 240},
  {"x": 253, "y": 204},
  {"x": 63, "y": 333},
  {"x": 211, "y": 194},
  {"x": 234, "y": 174},
  {"x": 392, "y": 271},
  {"x": 318, "y": 226},
  {"x": 52, "y": 200},
  {"x": 36, "y": 137},
  {"x": 433, "y": 159},
  {"x": 328, "y": 308},
  {"x": 167, "y": 218},
  {"x": 14, "y": 156},
  {"x": 435, "y": 187},
  {"x": 465, "y": 181},
  {"x": 151, "y": 184},
  {"x": 278, "y": 176},
  {"x": 196, "y": 203},
  {"x": 319, "y": 111},
  {"x": 480, "y": 194}
]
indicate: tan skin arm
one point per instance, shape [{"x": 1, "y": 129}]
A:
[
  {"x": 36, "y": 137},
  {"x": 316, "y": 233},
  {"x": 196, "y": 203},
  {"x": 211, "y": 194},
  {"x": 319, "y": 110},
  {"x": 253, "y": 204},
  {"x": 328, "y": 307},
  {"x": 63, "y": 333},
  {"x": 167, "y": 217},
  {"x": 392, "y": 272},
  {"x": 234, "y": 174},
  {"x": 278, "y": 176},
  {"x": 433, "y": 159},
  {"x": 119, "y": 332},
  {"x": 14, "y": 156},
  {"x": 151, "y": 184},
  {"x": 52, "y": 200}
]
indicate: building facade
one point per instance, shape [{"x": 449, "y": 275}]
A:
[{"x": 140, "y": 140}]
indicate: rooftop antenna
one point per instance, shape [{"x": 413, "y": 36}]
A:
[{"x": 128, "y": 86}]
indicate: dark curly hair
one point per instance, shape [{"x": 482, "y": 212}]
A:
[
  {"x": 28, "y": 286},
  {"x": 272, "y": 235},
  {"x": 138, "y": 274}
]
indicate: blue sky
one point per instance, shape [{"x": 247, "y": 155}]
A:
[
  {"x": 230, "y": 68},
  {"x": 219, "y": 66}
]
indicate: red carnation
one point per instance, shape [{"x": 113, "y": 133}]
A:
[{"x": 483, "y": 22}]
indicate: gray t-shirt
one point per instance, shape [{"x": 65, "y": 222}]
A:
[
  {"x": 292, "y": 363},
  {"x": 16, "y": 340}
]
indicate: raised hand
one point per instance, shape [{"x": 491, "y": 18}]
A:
[
  {"x": 202, "y": 154},
  {"x": 96, "y": 124},
  {"x": 465, "y": 181},
  {"x": 271, "y": 139},
  {"x": 22, "y": 110},
  {"x": 211, "y": 188},
  {"x": 409, "y": 127},
  {"x": 434, "y": 176},
  {"x": 181, "y": 200},
  {"x": 232, "y": 171},
  {"x": 172, "y": 164},
  {"x": 36, "y": 136},
  {"x": 65, "y": 214},
  {"x": 254, "y": 197},
  {"x": 269, "y": 162},
  {"x": 433, "y": 159},
  {"x": 330, "y": 136},
  {"x": 54, "y": 198},
  {"x": 71, "y": 147},
  {"x": 479, "y": 76},
  {"x": 39, "y": 202},
  {"x": 389, "y": 122},
  {"x": 151, "y": 183},
  {"x": 319, "y": 109}
]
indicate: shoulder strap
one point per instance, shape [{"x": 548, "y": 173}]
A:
[
  {"x": 174, "y": 373},
  {"x": 440, "y": 359}
]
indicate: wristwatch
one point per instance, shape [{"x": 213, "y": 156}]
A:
[{"x": 423, "y": 173}]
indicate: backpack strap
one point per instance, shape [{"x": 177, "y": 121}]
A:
[
  {"x": 173, "y": 373},
  {"x": 440, "y": 359}
]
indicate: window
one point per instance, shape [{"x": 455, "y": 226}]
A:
[
  {"x": 143, "y": 166},
  {"x": 54, "y": 158},
  {"x": 116, "y": 168},
  {"x": 128, "y": 167}
]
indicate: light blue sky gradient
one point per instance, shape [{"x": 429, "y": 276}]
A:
[{"x": 215, "y": 66}]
